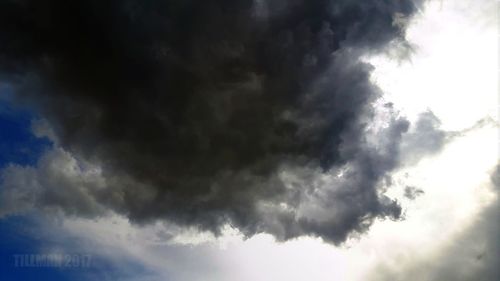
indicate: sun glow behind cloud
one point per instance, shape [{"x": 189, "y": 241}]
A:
[{"x": 454, "y": 69}]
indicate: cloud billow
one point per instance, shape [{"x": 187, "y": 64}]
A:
[{"x": 207, "y": 113}]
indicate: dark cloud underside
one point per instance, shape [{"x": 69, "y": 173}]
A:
[{"x": 194, "y": 108}]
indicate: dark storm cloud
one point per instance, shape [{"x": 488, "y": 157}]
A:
[{"x": 194, "y": 110}]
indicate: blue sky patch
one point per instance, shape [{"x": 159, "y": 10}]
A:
[{"x": 17, "y": 143}]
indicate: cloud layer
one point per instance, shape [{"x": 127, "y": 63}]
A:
[{"x": 206, "y": 113}]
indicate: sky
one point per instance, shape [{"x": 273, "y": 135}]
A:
[{"x": 250, "y": 140}]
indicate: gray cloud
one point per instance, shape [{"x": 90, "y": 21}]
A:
[
  {"x": 196, "y": 111},
  {"x": 427, "y": 137},
  {"x": 412, "y": 192},
  {"x": 58, "y": 182}
]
